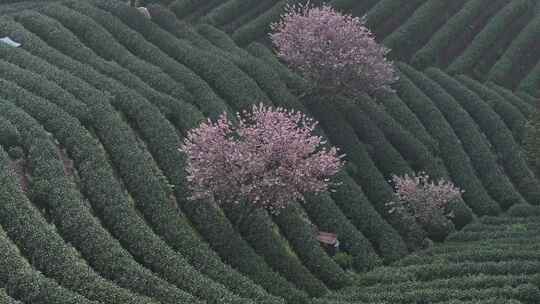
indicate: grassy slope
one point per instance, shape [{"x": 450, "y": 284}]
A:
[{"x": 127, "y": 89}]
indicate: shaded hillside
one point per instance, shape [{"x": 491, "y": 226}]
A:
[
  {"x": 489, "y": 40},
  {"x": 96, "y": 101}
]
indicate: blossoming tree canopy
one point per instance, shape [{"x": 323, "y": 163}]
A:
[
  {"x": 334, "y": 51},
  {"x": 422, "y": 197},
  {"x": 268, "y": 160}
]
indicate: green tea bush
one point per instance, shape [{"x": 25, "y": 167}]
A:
[
  {"x": 399, "y": 110},
  {"x": 387, "y": 15},
  {"x": 478, "y": 147},
  {"x": 228, "y": 11},
  {"x": 372, "y": 181},
  {"x": 524, "y": 210},
  {"x": 73, "y": 218},
  {"x": 9, "y": 135},
  {"x": 524, "y": 107},
  {"x": 508, "y": 150},
  {"x": 225, "y": 78},
  {"x": 488, "y": 36},
  {"x": 385, "y": 156},
  {"x": 5, "y": 298},
  {"x": 472, "y": 282},
  {"x": 42, "y": 25},
  {"x": 327, "y": 216},
  {"x": 531, "y": 100},
  {"x": 258, "y": 27},
  {"x": 183, "y": 8},
  {"x": 344, "y": 260},
  {"x": 456, "y": 160},
  {"x": 511, "y": 116},
  {"x": 323, "y": 212},
  {"x": 148, "y": 208},
  {"x": 17, "y": 275},
  {"x": 531, "y": 82},
  {"x": 296, "y": 84},
  {"x": 355, "y": 205},
  {"x": 267, "y": 79},
  {"x": 84, "y": 93},
  {"x": 429, "y": 272},
  {"x": 49, "y": 253},
  {"x": 429, "y": 295},
  {"x": 250, "y": 15},
  {"x": 418, "y": 29},
  {"x": 202, "y": 95},
  {"x": 435, "y": 51},
  {"x": 519, "y": 57},
  {"x": 301, "y": 237},
  {"x": 154, "y": 249},
  {"x": 96, "y": 37},
  {"x": 412, "y": 150}
]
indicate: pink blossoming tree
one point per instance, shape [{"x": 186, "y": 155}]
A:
[
  {"x": 337, "y": 53},
  {"x": 268, "y": 160},
  {"x": 427, "y": 200}
]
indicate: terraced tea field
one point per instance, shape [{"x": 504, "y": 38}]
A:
[{"x": 97, "y": 99}]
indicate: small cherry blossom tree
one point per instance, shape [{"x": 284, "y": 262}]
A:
[
  {"x": 425, "y": 199},
  {"x": 268, "y": 160},
  {"x": 337, "y": 53}
]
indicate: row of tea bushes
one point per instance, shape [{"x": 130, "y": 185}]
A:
[
  {"x": 473, "y": 139},
  {"x": 455, "y": 158},
  {"x": 436, "y": 52},
  {"x": 417, "y": 30},
  {"x": 488, "y": 36},
  {"x": 22, "y": 222}
]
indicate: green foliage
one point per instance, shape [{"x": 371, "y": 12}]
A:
[
  {"x": 435, "y": 51},
  {"x": 399, "y": 110},
  {"x": 519, "y": 58},
  {"x": 269, "y": 243},
  {"x": 301, "y": 237},
  {"x": 456, "y": 160},
  {"x": 222, "y": 75},
  {"x": 227, "y": 11},
  {"x": 385, "y": 156},
  {"x": 17, "y": 276},
  {"x": 387, "y": 15},
  {"x": 527, "y": 109},
  {"x": 115, "y": 218},
  {"x": 344, "y": 260},
  {"x": 294, "y": 82},
  {"x": 474, "y": 141},
  {"x": 531, "y": 83},
  {"x": 413, "y": 150},
  {"x": 488, "y": 36},
  {"x": 182, "y": 8},
  {"x": 9, "y": 135},
  {"x": 258, "y": 27},
  {"x": 508, "y": 150},
  {"x": 509, "y": 114},
  {"x": 369, "y": 177},
  {"x": 327, "y": 216},
  {"x": 524, "y": 210},
  {"x": 136, "y": 43},
  {"x": 76, "y": 223},
  {"x": 5, "y": 298},
  {"x": 49, "y": 253},
  {"x": 417, "y": 30}
]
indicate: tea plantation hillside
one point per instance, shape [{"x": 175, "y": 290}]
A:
[
  {"x": 94, "y": 206},
  {"x": 490, "y": 40}
]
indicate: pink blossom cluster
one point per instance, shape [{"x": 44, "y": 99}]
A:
[
  {"x": 335, "y": 52},
  {"x": 268, "y": 160},
  {"x": 422, "y": 197}
]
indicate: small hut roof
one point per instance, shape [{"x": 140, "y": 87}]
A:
[{"x": 327, "y": 238}]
